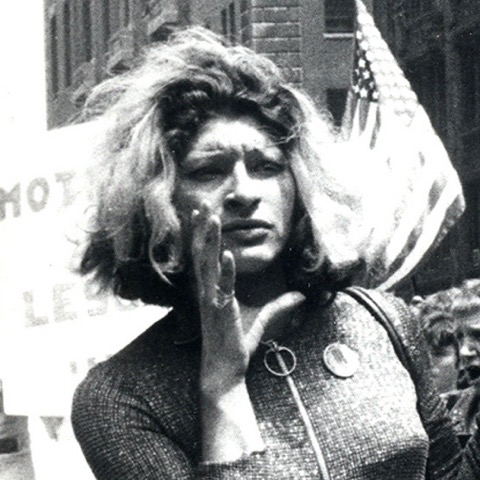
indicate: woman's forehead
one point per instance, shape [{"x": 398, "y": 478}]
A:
[{"x": 225, "y": 133}]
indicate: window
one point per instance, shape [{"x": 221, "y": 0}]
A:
[
  {"x": 470, "y": 69},
  {"x": 428, "y": 82},
  {"x": 54, "y": 55},
  {"x": 126, "y": 12},
  {"x": 87, "y": 30},
  {"x": 243, "y": 6},
  {"x": 336, "y": 102},
  {"x": 229, "y": 23},
  {"x": 233, "y": 24},
  {"x": 106, "y": 22},
  {"x": 339, "y": 16},
  {"x": 68, "y": 44},
  {"x": 244, "y": 22},
  {"x": 472, "y": 214},
  {"x": 223, "y": 15}
]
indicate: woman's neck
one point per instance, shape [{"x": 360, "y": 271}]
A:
[
  {"x": 257, "y": 289},
  {"x": 254, "y": 291}
]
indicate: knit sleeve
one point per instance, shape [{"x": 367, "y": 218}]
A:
[
  {"x": 253, "y": 467},
  {"x": 119, "y": 437},
  {"x": 122, "y": 440},
  {"x": 446, "y": 459}
]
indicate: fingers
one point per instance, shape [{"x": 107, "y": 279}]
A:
[
  {"x": 225, "y": 289},
  {"x": 206, "y": 238},
  {"x": 226, "y": 282}
]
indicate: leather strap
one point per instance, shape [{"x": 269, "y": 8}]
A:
[{"x": 363, "y": 297}]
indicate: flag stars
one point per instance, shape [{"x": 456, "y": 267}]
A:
[
  {"x": 363, "y": 92},
  {"x": 364, "y": 45}
]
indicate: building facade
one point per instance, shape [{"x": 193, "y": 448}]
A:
[
  {"x": 436, "y": 42},
  {"x": 89, "y": 40}
]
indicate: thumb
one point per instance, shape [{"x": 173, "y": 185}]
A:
[{"x": 274, "y": 311}]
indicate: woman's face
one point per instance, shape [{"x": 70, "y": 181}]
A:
[{"x": 235, "y": 166}]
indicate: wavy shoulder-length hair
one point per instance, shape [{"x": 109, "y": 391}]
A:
[{"x": 149, "y": 117}]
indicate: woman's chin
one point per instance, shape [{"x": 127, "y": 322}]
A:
[{"x": 248, "y": 264}]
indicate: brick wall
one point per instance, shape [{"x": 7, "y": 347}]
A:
[
  {"x": 273, "y": 27},
  {"x": 290, "y": 32}
]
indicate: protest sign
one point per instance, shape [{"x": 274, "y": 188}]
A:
[{"x": 53, "y": 327}]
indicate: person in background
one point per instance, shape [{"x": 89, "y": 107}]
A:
[
  {"x": 450, "y": 321},
  {"x": 265, "y": 367},
  {"x": 439, "y": 326},
  {"x": 464, "y": 403},
  {"x": 466, "y": 310}
]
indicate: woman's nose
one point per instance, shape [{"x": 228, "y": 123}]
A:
[
  {"x": 243, "y": 194},
  {"x": 467, "y": 350}
]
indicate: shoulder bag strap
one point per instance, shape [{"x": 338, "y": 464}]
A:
[{"x": 364, "y": 298}]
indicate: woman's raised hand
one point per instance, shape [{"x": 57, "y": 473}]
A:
[
  {"x": 229, "y": 427},
  {"x": 227, "y": 342}
]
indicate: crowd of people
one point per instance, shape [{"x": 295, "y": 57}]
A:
[{"x": 450, "y": 320}]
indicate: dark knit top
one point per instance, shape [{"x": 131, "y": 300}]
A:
[{"x": 136, "y": 415}]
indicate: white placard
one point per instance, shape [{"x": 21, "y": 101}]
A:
[{"x": 52, "y": 327}]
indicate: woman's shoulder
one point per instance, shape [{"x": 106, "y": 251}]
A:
[
  {"x": 386, "y": 304},
  {"x": 393, "y": 315},
  {"x": 127, "y": 370}
]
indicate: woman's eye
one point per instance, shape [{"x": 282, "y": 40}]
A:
[
  {"x": 205, "y": 174},
  {"x": 268, "y": 167}
]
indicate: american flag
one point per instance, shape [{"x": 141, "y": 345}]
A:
[{"x": 422, "y": 192}]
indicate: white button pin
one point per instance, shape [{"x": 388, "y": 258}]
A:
[{"x": 341, "y": 360}]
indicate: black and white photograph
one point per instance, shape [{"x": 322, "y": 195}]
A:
[{"x": 240, "y": 240}]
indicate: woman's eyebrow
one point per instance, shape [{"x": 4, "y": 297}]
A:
[
  {"x": 206, "y": 155},
  {"x": 212, "y": 152},
  {"x": 268, "y": 153}
]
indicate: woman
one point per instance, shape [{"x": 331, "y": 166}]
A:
[{"x": 264, "y": 368}]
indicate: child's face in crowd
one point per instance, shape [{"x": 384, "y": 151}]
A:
[
  {"x": 468, "y": 338},
  {"x": 444, "y": 353}
]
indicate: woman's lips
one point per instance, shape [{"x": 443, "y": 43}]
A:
[
  {"x": 246, "y": 231},
  {"x": 244, "y": 224}
]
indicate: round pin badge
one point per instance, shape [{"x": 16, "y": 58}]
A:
[{"x": 341, "y": 360}]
